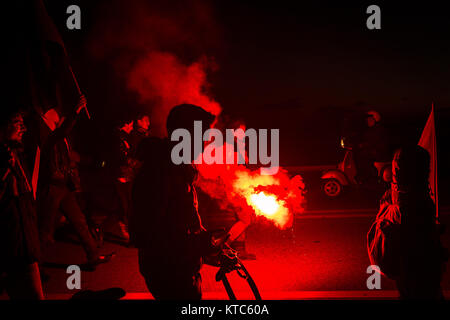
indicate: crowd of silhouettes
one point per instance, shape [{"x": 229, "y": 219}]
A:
[{"x": 40, "y": 191}]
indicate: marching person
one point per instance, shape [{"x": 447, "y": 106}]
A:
[
  {"x": 19, "y": 238},
  {"x": 165, "y": 225},
  {"x": 140, "y": 131},
  {"x": 56, "y": 189},
  {"x": 116, "y": 226},
  {"x": 130, "y": 134}
]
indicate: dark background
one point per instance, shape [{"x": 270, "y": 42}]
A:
[{"x": 300, "y": 67}]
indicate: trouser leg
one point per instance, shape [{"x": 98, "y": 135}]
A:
[
  {"x": 50, "y": 201},
  {"x": 124, "y": 194},
  {"x": 73, "y": 213}
]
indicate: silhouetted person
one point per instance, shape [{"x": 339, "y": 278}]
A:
[
  {"x": 165, "y": 225},
  {"x": 116, "y": 225},
  {"x": 130, "y": 136},
  {"x": 373, "y": 146},
  {"x": 57, "y": 188},
  {"x": 407, "y": 219},
  {"x": 19, "y": 238},
  {"x": 139, "y": 132}
]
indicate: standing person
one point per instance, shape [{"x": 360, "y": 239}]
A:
[
  {"x": 56, "y": 189},
  {"x": 165, "y": 225},
  {"x": 116, "y": 226},
  {"x": 372, "y": 147},
  {"x": 405, "y": 239},
  {"x": 130, "y": 136},
  {"x": 140, "y": 131},
  {"x": 19, "y": 238},
  {"x": 375, "y": 138}
]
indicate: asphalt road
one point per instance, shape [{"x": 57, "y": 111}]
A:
[{"x": 322, "y": 257}]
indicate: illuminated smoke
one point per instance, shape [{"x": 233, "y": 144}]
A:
[
  {"x": 273, "y": 198},
  {"x": 163, "y": 81},
  {"x": 162, "y": 51}
]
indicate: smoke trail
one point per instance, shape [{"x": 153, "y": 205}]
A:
[
  {"x": 161, "y": 51},
  {"x": 163, "y": 81}
]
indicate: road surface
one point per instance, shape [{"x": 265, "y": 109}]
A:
[{"x": 323, "y": 257}]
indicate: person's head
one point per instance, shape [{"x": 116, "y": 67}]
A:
[
  {"x": 411, "y": 168},
  {"x": 52, "y": 119},
  {"x": 143, "y": 123},
  {"x": 183, "y": 116},
  {"x": 13, "y": 128},
  {"x": 372, "y": 118}
]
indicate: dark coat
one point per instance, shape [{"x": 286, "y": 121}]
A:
[
  {"x": 165, "y": 215},
  {"x": 413, "y": 247},
  {"x": 122, "y": 164},
  {"x": 56, "y": 166},
  {"x": 19, "y": 238}
]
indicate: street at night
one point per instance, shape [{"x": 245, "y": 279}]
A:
[
  {"x": 323, "y": 257},
  {"x": 224, "y": 158}
]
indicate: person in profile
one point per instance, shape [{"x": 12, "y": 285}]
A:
[
  {"x": 116, "y": 225},
  {"x": 405, "y": 241},
  {"x": 56, "y": 187},
  {"x": 164, "y": 223},
  {"x": 140, "y": 131}
]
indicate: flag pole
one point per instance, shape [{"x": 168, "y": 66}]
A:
[
  {"x": 436, "y": 196},
  {"x": 79, "y": 90}
]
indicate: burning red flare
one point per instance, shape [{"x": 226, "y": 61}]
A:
[
  {"x": 276, "y": 198},
  {"x": 271, "y": 208},
  {"x": 267, "y": 205}
]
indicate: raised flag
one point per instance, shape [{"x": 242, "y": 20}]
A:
[{"x": 428, "y": 142}]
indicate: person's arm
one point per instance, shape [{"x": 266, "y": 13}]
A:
[{"x": 68, "y": 124}]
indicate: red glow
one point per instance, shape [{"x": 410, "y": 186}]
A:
[
  {"x": 267, "y": 205},
  {"x": 274, "y": 198},
  {"x": 163, "y": 81}
]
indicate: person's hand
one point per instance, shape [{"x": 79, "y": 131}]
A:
[
  {"x": 207, "y": 244},
  {"x": 81, "y": 104}
]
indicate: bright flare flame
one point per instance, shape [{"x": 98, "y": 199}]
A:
[
  {"x": 266, "y": 204},
  {"x": 276, "y": 198},
  {"x": 263, "y": 203}
]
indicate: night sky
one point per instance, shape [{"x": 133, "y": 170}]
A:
[{"x": 298, "y": 67}]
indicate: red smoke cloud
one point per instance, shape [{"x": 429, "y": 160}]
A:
[
  {"x": 161, "y": 50},
  {"x": 163, "y": 81},
  {"x": 275, "y": 198}
]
